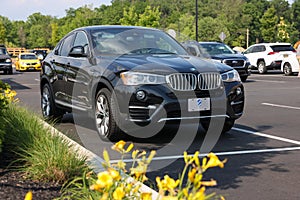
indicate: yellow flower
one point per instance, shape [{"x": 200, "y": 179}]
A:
[
  {"x": 191, "y": 174},
  {"x": 213, "y": 162},
  {"x": 114, "y": 174},
  {"x": 134, "y": 154},
  {"x": 119, "y": 193},
  {"x": 152, "y": 154},
  {"x": 129, "y": 148},
  {"x": 105, "y": 196},
  {"x": 167, "y": 183},
  {"x": 119, "y": 146},
  {"x": 209, "y": 183},
  {"x": 146, "y": 196},
  {"x": 106, "y": 156},
  {"x": 169, "y": 198},
  {"x": 196, "y": 158},
  {"x": 105, "y": 180},
  {"x": 200, "y": 195},
  {"x": 28, "y": 196}
]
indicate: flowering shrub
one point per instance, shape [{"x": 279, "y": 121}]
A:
[
  {"x": 114, "y": 184},
  {"x": 6, "y": 95}
]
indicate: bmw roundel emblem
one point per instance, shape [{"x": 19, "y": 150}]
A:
[{"x": 193, "y": 69}]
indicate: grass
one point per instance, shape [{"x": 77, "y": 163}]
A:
[{"x": 43, "y": 156}]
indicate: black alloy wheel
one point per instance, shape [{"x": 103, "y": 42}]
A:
[
  {"x": 49, "y": 110},
  {"x": 105, "y": 115}
]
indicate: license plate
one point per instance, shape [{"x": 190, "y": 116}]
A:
[{"x": 198, "y": 104}]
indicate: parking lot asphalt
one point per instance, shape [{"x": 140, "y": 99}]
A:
[{"x": 263, "y": 148}]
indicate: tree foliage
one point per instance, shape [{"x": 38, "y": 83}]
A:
[{"x": 266, "y": 20}]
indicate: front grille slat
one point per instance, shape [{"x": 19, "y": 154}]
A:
[
  {"x": 182, "y": 82},
  {"x": 189, "y": 81}
]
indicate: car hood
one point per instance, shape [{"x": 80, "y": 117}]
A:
[
  {"x": 4, "y": 56},
  {"x": 228, "y": 56},
  {"x": 166, "y": 64}
]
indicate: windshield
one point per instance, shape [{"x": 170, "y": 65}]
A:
[
  {"x": 134, "y": 41},
  {"x": 217, "y": 48},
  {"x": 3, "y": 51},
  {"x": 28, "y": 57}
]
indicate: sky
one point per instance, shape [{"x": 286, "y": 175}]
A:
[{"x": 21, "y": 9}]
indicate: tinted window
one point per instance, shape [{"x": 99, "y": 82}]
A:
[
  {"x": 66, "y": 45},
  {"x": 81, "y": 40},
  {"x": 215, "y": 49},
  {"x": 2, "y": 51},
  {"x": 29, "y": 57},
  {"x": 278, "y": 48}
]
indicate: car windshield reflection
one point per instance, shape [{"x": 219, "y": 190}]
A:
[{"x": 132, "y": 41}]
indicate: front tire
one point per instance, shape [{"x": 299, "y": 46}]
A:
[
  {"x": 287, "y": 69},
  {"x": 228, "y": 124},
  {"x": 49, "y": 110},
  {"x": 262, "y": 69},
  {"x": 105, "y": 115}
]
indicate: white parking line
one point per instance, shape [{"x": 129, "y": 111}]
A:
[
  {"x": 236, "y": 152},
  {"x": 268, "y": 81},
  {"x": 281, "y": 106},
  {"x": 267, "y": 136},
  {"x": 228, "y": 153}
]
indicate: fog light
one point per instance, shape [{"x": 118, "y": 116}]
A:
[
  {"x": 140, "y": 95},
  {"x": 238, "y": 91}
]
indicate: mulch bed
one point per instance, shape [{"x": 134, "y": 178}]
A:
[{"x": 13, "y": 185}]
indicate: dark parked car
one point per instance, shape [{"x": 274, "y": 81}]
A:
[
  {"x": 130, "y": 77},
  {"x": 5, "y": 61},
  {"x": 221, "y": 53}
]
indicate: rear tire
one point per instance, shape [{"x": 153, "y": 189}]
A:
[
  {"x": 49, "y": 110},
  {"x": 262, "y": 69},
  {"x": 105, "y": 114},
  {"x": 287, "y": 69}
]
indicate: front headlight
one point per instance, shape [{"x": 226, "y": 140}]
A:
[
  {"x": 8, "y": 60},
  {"x": 137, "y": 78},
  {"x": 231, "y": 76}
]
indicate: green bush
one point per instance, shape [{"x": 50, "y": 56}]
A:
[
  {"x": 6, "y": 97},
  {"x": 43, "y": 156}
]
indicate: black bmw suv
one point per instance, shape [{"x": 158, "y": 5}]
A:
[{"x": 129, "y": 78}]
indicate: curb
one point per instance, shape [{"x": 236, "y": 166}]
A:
[{"x": 94, "y": 161}]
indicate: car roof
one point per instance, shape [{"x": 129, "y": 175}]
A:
[
  {"x": 88, "y": 28},
  {"x": 272, "y": 44},
  {"x": 211, "y": 43}
]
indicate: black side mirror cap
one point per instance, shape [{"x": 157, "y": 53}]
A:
[{"x": 77, "y": 51}]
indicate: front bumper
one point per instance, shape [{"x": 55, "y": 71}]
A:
[
  {"x": 30, "y": 67},
  {"x": 5, "y": 66},
  {"x": 162, "y": 105}
]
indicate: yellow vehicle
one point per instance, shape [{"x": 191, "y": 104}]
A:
[{"x": 27, "y": 61}]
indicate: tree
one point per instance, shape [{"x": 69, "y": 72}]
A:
[
  {"x": 282, "y": 31},
  {"x": 269, "y": 23},
  {"x": 130, "y": 17},
  {"x": 150, "y": 17},
  {"x": 2, "y": 33}
]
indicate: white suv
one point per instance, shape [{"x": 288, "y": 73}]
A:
[{"x": 266, "y": 56}]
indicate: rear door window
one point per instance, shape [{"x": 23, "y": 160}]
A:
[{"x": 278, "y": 48}]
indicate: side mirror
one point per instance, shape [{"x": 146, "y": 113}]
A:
[{"x": 77, "y": 51}]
